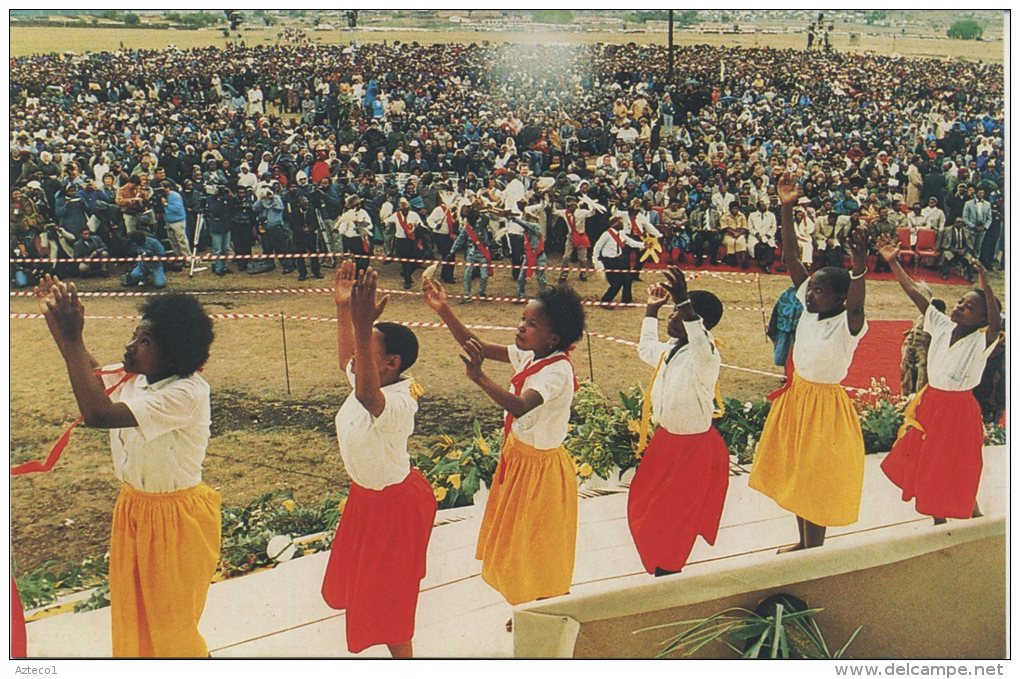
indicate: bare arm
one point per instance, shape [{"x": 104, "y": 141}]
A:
[
  {"x": 787, "y": 190},
  {"x": 890, "y": 252},
  {"x": 855, "y": 295},
  {"x": 65, "y": 316},
  {"x": 507, "y": 400},
  {"x": 435, "y": 297},
  {"x": 342, "y": 284},
  {"x": 364, "y": 311},
  {"x": 992, "y": 306}
]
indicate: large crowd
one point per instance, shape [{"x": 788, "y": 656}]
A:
[{"x": 393, "y": 148}]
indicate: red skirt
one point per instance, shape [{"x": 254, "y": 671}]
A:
[
  {"x": 377, "y": 561},
  {"x": 941, "y": 465},
  {"x": 677, "y": 494},
  {"x": 19, "y": 646}
]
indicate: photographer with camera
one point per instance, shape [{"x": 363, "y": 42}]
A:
[
  {"x": 273, "y": 232},
  {"x": 171, "y": 204},
  {"x": 217, "y": 215}
]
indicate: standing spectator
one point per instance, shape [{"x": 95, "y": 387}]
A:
[{"x": 977, "y": 216}]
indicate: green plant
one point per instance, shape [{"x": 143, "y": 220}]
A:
[
  {"x": 782, "y": 627},
  {"x": 602, "y": 437},
  {"x": 995, "y": 435},
  {"x": 881, "y": 415},
  {"x": 965, "y": 29},
  {"x": 741, "y": 425},
  {"x": 457, "y": 467},
  {"x": 43, "y": 585}
]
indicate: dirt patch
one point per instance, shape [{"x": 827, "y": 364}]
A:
[{"x": 257, "y": 445}]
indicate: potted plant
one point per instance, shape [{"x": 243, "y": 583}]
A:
[{"x": 781, "y": 627}]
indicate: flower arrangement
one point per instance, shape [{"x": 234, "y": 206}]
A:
[
  {"x": 457, "y": 467},
  {"x": 741, "y": 425},
  {"x": 881, "y": 415},
  {"x": 602, "y": 438}
]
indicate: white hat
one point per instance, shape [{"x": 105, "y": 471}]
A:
[
  {"x": 804, "y": 200},
  {"x": 414, "y": 143},
  {"x": 301, "y": 175},
  {"x": 362, "y": 149}
]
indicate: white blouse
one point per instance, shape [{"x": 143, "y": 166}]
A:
[
  {"x": 545, "y": 426},
  {"x": 165, "y": 451},
  {"x": 683, "y": 393},
  {"x": 374, "y": 449},
  {"x": 957, "y": 367},
  {"x": 823, "y": 348}
]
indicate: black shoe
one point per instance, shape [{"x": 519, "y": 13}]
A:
[
  {"x": 302, "y": 277},
  {"x": 407, "y": 285},
  {"x": 583, "y": 277},
  {"x": 318, "y": 275}
]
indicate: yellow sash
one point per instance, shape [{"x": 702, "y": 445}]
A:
[{"x": 910, "y": 415}]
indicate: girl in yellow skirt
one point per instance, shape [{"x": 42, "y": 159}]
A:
[
  {"x": 529, "y": 529},
  {"x": 165, "y": 541},
  {"x": 810, "y": 458}
]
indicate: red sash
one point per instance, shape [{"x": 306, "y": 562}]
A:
[
  {"x": 789, "y": 379},
  {"x": 449, "y": 222},
  {"x": 479, "y": 245},
  {"x": 58, "y": 448},
  {"x": 578, "y": 238},
  {"x": 531, "y": 256},
  {"x": 616, "y": 237},
  {"x": 636, "y": 230},
  {"x": 517, "y": 384},
  {"x": 408, "y": 231}
]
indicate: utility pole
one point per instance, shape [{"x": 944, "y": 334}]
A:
[{"x": 672, "y": 77}]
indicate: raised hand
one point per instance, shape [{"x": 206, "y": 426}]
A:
[
  {"x": 364, "y": 310},
  {"x": 787, "y": 189},
  {"x": 473, "y": 360},
  {"x": 888, "y": 249},
  {"x": 658, "y": 295},
  {"x": 433, "y": 293},
  {"x": 859, "y": 247},
  {"x": 343, "y": 282},
  {"x": 64, "y": 312},
  {"x": 676, "y": 283},
  {"x": 981, "y": 271}
]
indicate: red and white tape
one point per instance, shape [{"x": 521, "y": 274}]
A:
[{"x": 323, "y": 290}]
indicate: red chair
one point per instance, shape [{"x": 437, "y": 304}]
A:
[
  {"x": 906, "y": 249},
  {"x": 925, "y": 246}
]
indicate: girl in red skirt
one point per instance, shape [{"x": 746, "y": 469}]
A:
[
  {"x": 378, "y": 557},
  {"x": 937, "y": 458},
  {"x": 679, "y": 488}
]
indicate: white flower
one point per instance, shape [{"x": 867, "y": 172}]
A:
[{"x": 747, "y": 407}]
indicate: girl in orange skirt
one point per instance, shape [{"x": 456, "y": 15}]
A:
[
  {"x": 377, "y": 560},
  {"x": 937, "y": 457},
  {"x": 529, "y": 529},
  {"x": 679, "y": 487},
  {"x": 165, "y": 541},
  {"x": 810, "y": 458}
]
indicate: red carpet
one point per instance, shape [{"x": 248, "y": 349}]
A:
[
  {"x": 922, "y": 273},
  {"x": 878, "y": 355}
]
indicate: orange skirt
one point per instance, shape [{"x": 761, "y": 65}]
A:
[
  {"x": 377, "y": 560},
  {"x": 164, "y": 548},
  {"x": 529, "y": 529},
  {"x": 940, "y": 463},
  {"x": 677, "y": 494}
]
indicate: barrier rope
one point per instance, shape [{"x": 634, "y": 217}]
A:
[
  {"x": 209, "y": 257},
  {"x": 325, "y": 290},
  {"x": 409, "y": 324}
]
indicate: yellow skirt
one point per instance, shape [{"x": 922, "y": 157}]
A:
[
  {"x": 529, "y": 528},
  {"x": 810, "y": 459},
  {"x": 164, "y": 549}
]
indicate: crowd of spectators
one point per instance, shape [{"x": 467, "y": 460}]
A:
[{"x": 305, "y": 148}]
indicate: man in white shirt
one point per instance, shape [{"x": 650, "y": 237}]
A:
[
  {"x": 761, "y": 240},
  {"x": 610, "y": 252},
  {"x": 577, "y": 236},
  {"x": 933, "y": 215},
  {"x": 353, "y": 229},
  {"x": 442, "y": 225},
  {"x": 407, "y": 244}
]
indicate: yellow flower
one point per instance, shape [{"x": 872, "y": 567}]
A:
[
  {"x": 342, "y": 506},
  {"x": 584, "y": 470},
  {"x": 440, "y": 494},
  {"x": 454, "y": 454},
  {"x": 289, "y": 505},
  {"x": 634, "y": 426},
  {"x": 482, "y": 446},
  {"x": 454, "y": 480},
  {"x": 446, "y": 440}
]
